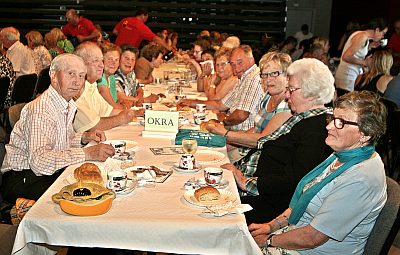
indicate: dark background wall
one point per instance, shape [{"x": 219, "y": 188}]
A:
[{"x": 244, "y": 18}]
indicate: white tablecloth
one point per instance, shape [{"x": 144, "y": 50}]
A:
[{"x": 149, "y": 219}]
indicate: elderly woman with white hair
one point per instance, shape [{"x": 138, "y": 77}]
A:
[
  {"x": 335, "y": 206},
  {"x": 268, "y": 174}
]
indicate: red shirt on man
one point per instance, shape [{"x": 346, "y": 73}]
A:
[
  {"x": 132, "y": 31},
  {"x": 85, "y": 28}
]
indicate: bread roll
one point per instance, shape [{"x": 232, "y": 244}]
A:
[
  {"x": 203, "y": 125},
  {"x": 183, "y": 108},
  {"x": 88, "y": 172},
  {"x": 207, "y": 193}
]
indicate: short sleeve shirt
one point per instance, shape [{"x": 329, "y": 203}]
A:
[
  {"x": 91, "y": 107},
  {"x": 246, "y": 96},
  {"x": 132, "y": 31},
  {"x": 84, "y": 28}
]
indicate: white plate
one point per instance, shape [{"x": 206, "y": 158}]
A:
[
  {"x": 222, "y": 185},
  {"x": 226, "y": 197},
  {"x": 209, "y": 156},
  {"x": 183, "y": 170}
]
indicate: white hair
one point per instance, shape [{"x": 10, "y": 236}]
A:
[{"x": 315, "y": 78}]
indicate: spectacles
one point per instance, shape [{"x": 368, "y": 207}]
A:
[
  {"x": 339, "y": 122},
  {"x": 222, "y": 64},
  {"x": 271, "y": 74},
  {"x": 291, "y": 90}
]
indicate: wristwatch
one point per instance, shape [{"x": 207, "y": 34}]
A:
[{"x": 269, "y": 241}]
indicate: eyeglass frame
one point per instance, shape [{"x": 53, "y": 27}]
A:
[
  {"x": 271, "y": 74},
  {"x": 331, "y": 117},
  {"x": 291, "y": 90}
]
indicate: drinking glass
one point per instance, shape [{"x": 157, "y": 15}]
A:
[
  {"x": 189, "y": 146},
  {"x": 166, "y": 75}
]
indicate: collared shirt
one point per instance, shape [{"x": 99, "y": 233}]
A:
[
  {"x": 248, "y": 164},
  {"x": 246, "y": 96},
  {"x": 127, "y": 84},
  {"x": 43, "y": 140},
  {"x": 21, "y": 58},
  {"x": 91, "y": 107}
]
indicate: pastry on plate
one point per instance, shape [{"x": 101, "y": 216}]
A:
[
  {"x": 88, "y": 172},
  {"x": 206, "y": 194}
]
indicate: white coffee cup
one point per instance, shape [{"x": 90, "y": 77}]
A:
[
  {"x": 147, "y": 106},
  {"x": 201, "y": 107},
  {"x": 199, "y": 117},
  {"x": 213, "y": 175},
  {"x": 384, "y": 42},
  {"x": 116, "y": 180},
  {"x": 119, "y": 147},
  {"x": 187, "y": 161}
]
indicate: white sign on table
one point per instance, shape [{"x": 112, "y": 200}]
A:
[{"x": 161, "y": 124}]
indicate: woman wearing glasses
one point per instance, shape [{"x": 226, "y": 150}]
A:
[
  {"x": 223, "y": 81},
  {"x": 336, "y": 204},
  {"x": 274, "y": 110},
  {"x": 268, "y": 174}
]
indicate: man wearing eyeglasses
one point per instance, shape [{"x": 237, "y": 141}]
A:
[{"x": 239, "y": 107}]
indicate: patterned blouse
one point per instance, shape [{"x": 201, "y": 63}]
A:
[
  {"x": 41, "y": 57},
  {"x": 263, "y": 116},
  {"x": 7, "y": 70}
]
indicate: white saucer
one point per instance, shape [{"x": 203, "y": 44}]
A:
[
  {"x": 130, "y": 186},
  {"x": 222, "y": 185},
  {"x": 184, "y": 170}
]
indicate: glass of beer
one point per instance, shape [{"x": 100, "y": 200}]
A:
[{"x": 189, "y": 146}]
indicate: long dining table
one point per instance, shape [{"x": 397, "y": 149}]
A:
[{"x": 157, "y": 218}]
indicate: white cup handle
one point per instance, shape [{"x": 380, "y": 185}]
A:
[{"x": 109, "y": 184}]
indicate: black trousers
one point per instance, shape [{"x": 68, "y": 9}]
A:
[{"x": 25, "y": 184}]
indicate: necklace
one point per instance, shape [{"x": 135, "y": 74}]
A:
[
  {"x": 335, "y": 165},
  {"x": 273, "y": 103}
]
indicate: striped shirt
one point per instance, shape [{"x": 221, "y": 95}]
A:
[
  {"x": 44, "y": 140},
  {"x": 246, "y": 96}
]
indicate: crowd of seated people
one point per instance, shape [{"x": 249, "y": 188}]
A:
[{"x": 272, "y": 112}]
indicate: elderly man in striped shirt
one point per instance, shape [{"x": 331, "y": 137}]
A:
[{"x": 43, "y": 142}]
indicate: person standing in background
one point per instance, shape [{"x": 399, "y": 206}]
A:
[
  {"x": 394, "y": 46},
  {"x": 80, "y": 28},
  {"x": 355, "y": 51},
  {"x": 133, "y": 30},
  {"x": 303, "y": 34}
]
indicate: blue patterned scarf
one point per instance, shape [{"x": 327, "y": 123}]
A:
[{"x": 300, "y": 199}]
